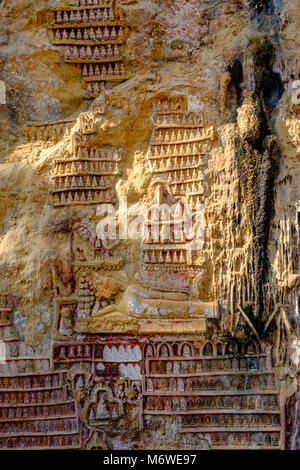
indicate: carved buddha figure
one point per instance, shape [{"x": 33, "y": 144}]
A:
[
  {"x": 215, "y": 421},
  {"x": 213, "y": 403},
  {"x": 168, "y": 406},
  {"x": 87, "y": 351},
  {"x": 183, "y": 404},
  {"x": 256, "y": 382},
  {"x": 267, "y": 440},
  {"x": 235, "y": 364},
  {"x": 211, "y": 384},
  {"x": 150, "y": 403},
  {"x": 160, "y": 403},
  {"x": 169, "y": 368},
  {"x": 186, "y": 350},
  {"x": 180, "y": 385},
  {"x": 262, "y": 363},
  {"x": 101, "y": 409},
  {"x": 154, "y": 367},
  {"x": 192, "y": 367},
  {"x": 173, "y": 385},
  {"x": 196, "y": 384},
  {"x": 244, "y": 403},
  {"x": 192, "y": 421},
  {"x": 149, "y": 385},
  {"x": 218, "y": 384},
  {"x": 184, "y": 368},
  {"x": 207, "y": 421},
  {"x": 264, "y": 382},
  {"x": 259, "y": 404},
  {"x": 222, "y": 422},
  {"x": 164, "y": 352},
  {"x": 164, "y": 385},
  {"x": 161, "y": 367},
  {"x": 228, "y": 402},
  {"x": 233, "y": 383},
  {"x": 261, "y": 421},
  {"x": 276, "y": 420},
  {"x": 245, "y": 422},
  {"x": 79, "y": 381},
  {"x": 243, "y": 364},
  {"x": 189, "y": 385},
  {"x": 200, "y": 421},
  {"x": 252, "y": 364},
  {"x": 48, "y": 381},
  {"x": 220, "y": 402},
  {"x": 267, "y": 403},
  {"x": 176, "y": 404},
  {"x": 61, "y": 353},
  {"x": 206, "y": 404},
  {"x": 208, "y": 350},
  {"x": 199, "y": 403},
  {"x": 251, "y": 403},
  {"x": 177, "y": 368},
  {"x": 274, "y": 403},
  {"x": 236, "y": 439},
  {"x": 272, "y": 382},
  {"x": 236, "y": 421},
  {"x": 241, "y": 383},
  {"x": 190, "y": 404},
  {"x": 149, "y": 351},
  {"x": 71, "y": 352},
  {"x": 79, "y": 352}
]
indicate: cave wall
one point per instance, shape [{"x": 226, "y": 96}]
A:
[{"x": 128, "y": 336}]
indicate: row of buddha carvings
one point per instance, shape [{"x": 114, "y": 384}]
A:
[
  {"x": 92, "y": 36},
  {"x": 224, "y": 390}
]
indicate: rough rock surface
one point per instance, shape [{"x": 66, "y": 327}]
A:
[{"x": 132, "y": 342}]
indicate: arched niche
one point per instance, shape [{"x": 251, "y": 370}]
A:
[
  {"x": 186, "y": 350},
  {"x": 149, "y": 351},
  {"x": 164, "y": 350},
  {"x": 208, "y": 349}
]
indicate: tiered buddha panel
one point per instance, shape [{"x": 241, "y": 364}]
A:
[
  {"x": 47, "y": 131},
  {"x": 106, "y": 360},
  {"x": 93, "y": 38},
  {"x": 233, "y": 399},
  {"x": 86, "y": 178},
  {"x": 19, "y": 357},
  {"x": 178, "y": 156},
  {"x": 165, "y": 244},
  {"x": 36, "y": 414},
  {"x": 178, "y": 150}
]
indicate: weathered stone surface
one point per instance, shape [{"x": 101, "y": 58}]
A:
[{"x": 130, "y": 329}]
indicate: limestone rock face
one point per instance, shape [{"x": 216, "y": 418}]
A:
[{"x": 149, "y": 224}]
